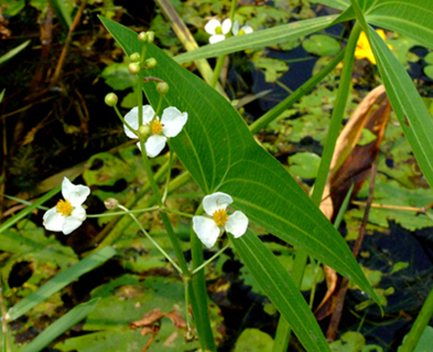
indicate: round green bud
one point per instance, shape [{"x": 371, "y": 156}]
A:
[
  {"x": 142, "y": 36},
  {"x": 135, "y": 57},
  {"x": 111, "y": 99},
  {"x": 144, "y": 131},
  {"x": 150, "y": 36},
  {"x": 162, "y": 88},
  {"x": 150, "y": 62},
  {"x": 134, "y": 68}
]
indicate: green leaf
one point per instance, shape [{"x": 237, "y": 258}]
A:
[
  {"x": 59, "y": 281},
  {"x": 254, "y": 340},
  {"x": 63, "y": 9},
  {"x": 336, "y": 4},
  {"x": 409, "y": 17},
  {"x": 274, "y": 280},
  {"x": 259, "y": 39},
  {"x": 220, "y": 153},
  {"x": 425, "y": 342},
  {"x": 74, "y": 316},
  {"x": 410, "y": 109},
  {"x": 11, "y": 53},
  {"x": 304, "y": 165},
  {"x": 321, "y": 45}
]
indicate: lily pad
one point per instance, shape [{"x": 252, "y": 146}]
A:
[
  {"x": 304, "y": 165},
  {"x": 254, "y": 340},
  {"x": 321, "y": 45}
]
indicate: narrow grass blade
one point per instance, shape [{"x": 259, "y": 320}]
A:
[
  {"x": 26, "y": 211},
  {"x": 74, "y": 316},
  {"x": 11, "y": 53},
  {"x": 59, "y": 281},
  {"x": 423, "y": 318}
]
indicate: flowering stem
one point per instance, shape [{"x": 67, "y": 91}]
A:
[
  {"x": 163, "y": 252},
  {"x": 177, "y": 212},
  {"x": 119, "y": 115},
  {"x": 166, "y": 221},
  {"x": 114, "y": 213},
  {"x": 211, "y": 259},
  {"x": 186, "y": 294},
  {"x": 140, "y": 103},
  {"x": 167, "y": 182}
]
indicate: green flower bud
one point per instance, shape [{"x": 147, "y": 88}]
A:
[
  {"x": 150, "y": 36},
  {"x": 111, "y": 99},
  {"x": 134, "y": 68},
  {"x": 150, "y": 62},
  {"x": 135, "y": 57},
  {"x": 162, "y": 88},
  {"x": 142, "y": 36},
  {"x": 143, "y": 131}
]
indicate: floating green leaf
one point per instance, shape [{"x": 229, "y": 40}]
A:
[
  {"x": 321, "y": 45},
  {"x": 254, "y": 340}
]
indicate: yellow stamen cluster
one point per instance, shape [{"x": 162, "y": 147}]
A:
[
  {"x": 219, "y": 30},
  {"x": 220, "y": 217},
  {"x": 64, "y": 207},
  {"x": 156, "y": 126}
]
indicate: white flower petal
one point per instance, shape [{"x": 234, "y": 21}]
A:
[
  {"x": 75, "y": 194},
  {"x": 71, "y": 224},
  {"x": 226, "y": 26},
  {"x": 138, "y": 145},
  {"x": 132, "y": 119},
  {"x": 212, "y": 25},
  {"x": 154, "y": 145},
  {"x": 216, "y": 201},
  {"x": 216, "y": 38},
  {"x": 53, "y": 221},
  {"x": 173, "y": 121},
  {"x": 206, "y": 229},
  {"x": 79, "y": 213},
  {"x": 237, "y": 224},
  {"x": 247, "y": 29}
]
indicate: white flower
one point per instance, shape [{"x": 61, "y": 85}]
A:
[
  {"x": 68, "y": 214},
  {"x": 218, "y": 30},
  {"x": 208, "y": 228},
  {"x": 242, "y": 30},
  {"x": 170, "y": 125}
]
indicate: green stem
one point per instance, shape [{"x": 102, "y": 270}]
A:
[
  {"x": 211, "y": 259},
  {"x": 337, "y": 115},
  {"x": 181, "y": 213},
  {"x": 128, "y": 126},
  {"x": 217, "y": 70},
  {"x": 149, "y": 237},
  {"x": 114, "y": 213},
  {"x": 175, "y": 242},
  {"x": 282, "y": 337},
  {"x": 167, "y": 182},
  {"x": 307, "y": 87},
  {"x": 418, "y": 327}
]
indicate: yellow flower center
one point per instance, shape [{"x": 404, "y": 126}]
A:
[
  {"x": 219, "y": 30},
  {"x": 220, "y": 217},
  {"x": 64, "y": 207},
  {"x": 156, "y": 126}
]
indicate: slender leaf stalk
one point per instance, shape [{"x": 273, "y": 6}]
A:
[
  {"x": 282, "y": 337},
  {"x": 210, "y": 260},
  {"x": 422, "y": 320},
  {"x": 217, "y": 70}
]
